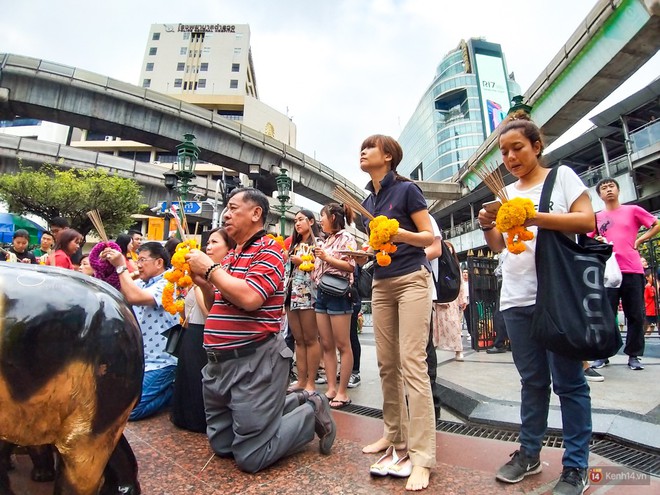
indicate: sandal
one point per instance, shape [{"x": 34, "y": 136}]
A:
[
  {"x": 382, "y": 465},
  {"x": 340, "y": 403}
]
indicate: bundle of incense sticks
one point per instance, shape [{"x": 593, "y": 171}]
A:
[
  {"x": 492, "y": 177},
  {"x": 345, "y": 197},
  {"x": 175, "y": 216},
  {"x": 95, "y": 217}
]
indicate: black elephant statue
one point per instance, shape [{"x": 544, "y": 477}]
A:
[{"x": 71, "y": 368}]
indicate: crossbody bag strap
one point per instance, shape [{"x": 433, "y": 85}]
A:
[{"x": 546, "y": 192}]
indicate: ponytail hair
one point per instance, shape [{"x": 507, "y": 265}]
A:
[
  {"x": 520, "y": 121},
  {"x": 339, "y": 215}
]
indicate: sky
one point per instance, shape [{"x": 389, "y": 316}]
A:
[{"x": 341, "y": 69}]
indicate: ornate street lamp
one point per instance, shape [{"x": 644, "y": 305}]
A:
[
  {"x": 171, "y": 180},
  {"x": 283, "y": 182},
  {"x": 187, "y": 155},
  {"x": 517, "y": 104}
]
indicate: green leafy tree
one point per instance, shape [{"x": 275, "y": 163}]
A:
[{"x": 50, "y": 192}]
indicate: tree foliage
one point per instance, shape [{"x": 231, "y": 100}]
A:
[{"x": 50, "y": 192}]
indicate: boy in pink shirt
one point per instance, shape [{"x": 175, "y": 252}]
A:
[{"x": 619, "y": 225}]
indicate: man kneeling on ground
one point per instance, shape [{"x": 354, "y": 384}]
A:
[{"x": 248, "y": 414}]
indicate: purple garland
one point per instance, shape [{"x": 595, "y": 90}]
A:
[{"x": 103, "y": 269}]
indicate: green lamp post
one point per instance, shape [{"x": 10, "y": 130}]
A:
[
  {"x": 187, "y": 155},
  {"x": 283, "y": 182}
]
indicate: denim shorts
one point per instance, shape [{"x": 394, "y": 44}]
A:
[{"x": 333, "y": 305}]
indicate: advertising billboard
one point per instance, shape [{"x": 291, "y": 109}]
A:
[{"x": 493, "y": 89}]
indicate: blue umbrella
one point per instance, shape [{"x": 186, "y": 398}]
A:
[{"x": 9, "y": 223}]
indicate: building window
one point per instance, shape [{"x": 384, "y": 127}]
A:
[
  {"x": 237, "y": 51},
  {"x": 153, "y": 50},
  {"x": 156, "y": 36},
  {"x": 202, "y": 83},
  {"x": 177, "y": 83},
  {"x": 235, "y": 67},
  {"x": 418, "y": 173},
  {"x": 186, "y": 36},
  {"x": 233, "y": 84},
  {"x": 185, "y": 85},
  {"x": 146, "y": 83},
  {"x": 183, "y": 51},
  {"x": 150, "y": 66},
  {"x": 204, "y": 66},
  {"x": 180, "y": 66}
]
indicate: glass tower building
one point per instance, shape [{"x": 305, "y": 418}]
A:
[{"x": 468, "y": 97}]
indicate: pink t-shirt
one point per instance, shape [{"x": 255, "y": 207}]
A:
[{"x": 620, "y": 227}]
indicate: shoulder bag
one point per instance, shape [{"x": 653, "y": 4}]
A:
[
  {"x": 572, "y": 316},
  {"x": 333, "y": 285}
]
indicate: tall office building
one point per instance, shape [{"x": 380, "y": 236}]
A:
[
  {"x": 468, "y": 98},
  {"x": 208, "y": 65}
]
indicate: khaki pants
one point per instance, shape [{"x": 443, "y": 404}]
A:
[{"x": 401, "y": 313}]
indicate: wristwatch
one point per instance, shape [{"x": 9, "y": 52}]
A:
[{"x": 121, "y": 269}]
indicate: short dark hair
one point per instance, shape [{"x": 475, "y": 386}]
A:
[
  {"x": 48, "y": 232},
  {"x": 606, "y": 180},
  {"x": 156, "y": 250},
  {"x": 132, "y": 232},
  {"x": 21, "y": 233},
  {"x": 60, "y": 222},
  {"x": 170, "y": 245},
  {"x": 255, "y": 196}
]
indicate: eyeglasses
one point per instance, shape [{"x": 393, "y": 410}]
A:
[{"x": 141, "y": 261}]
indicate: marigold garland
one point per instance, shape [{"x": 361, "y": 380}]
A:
[
  {"x": 280, "y": 240},
  {"x": 381, "y": 230},
  {"x": 511, "y": 218},
  {"x": 307, "y": 257},
  {"x": 178, "y": 279}
]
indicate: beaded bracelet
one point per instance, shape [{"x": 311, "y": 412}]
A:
[{"x": 210, "y": 270}]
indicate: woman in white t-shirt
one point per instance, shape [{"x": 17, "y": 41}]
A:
[{"x": 570, "y": 212}]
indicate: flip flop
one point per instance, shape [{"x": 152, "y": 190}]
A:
[{"x": 342, "y": 403}]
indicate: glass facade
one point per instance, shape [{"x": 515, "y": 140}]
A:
[{"x": 447, "y": 125}]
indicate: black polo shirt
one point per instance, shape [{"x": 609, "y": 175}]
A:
[{"x": 398, "y": 199}]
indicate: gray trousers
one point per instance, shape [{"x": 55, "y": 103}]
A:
[{"x": 248, "y": 414}]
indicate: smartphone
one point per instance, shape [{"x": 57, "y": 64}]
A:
[{"x": 492, "y": 206}]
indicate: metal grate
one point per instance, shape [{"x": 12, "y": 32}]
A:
[{"x": 626, "y": 455}]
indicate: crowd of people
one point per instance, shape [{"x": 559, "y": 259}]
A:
[{"x": 231, "y": 378}]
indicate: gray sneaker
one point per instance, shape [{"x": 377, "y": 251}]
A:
[
  {"x": 324, "y": 425},
  {"x": 518, "y": 467},
  {"x": 354, "y": 380},
  {"x": 600, "y": 363},
  {"x": 634, "y": 364},
  {"x": 573, "y": 481}
]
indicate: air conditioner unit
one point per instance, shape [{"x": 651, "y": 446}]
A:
[{"x": 109, "y": 138}]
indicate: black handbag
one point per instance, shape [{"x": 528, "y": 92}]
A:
[
  {"x": 366, "y": 279},
  {"x": 173, "y": 335},
  {"x": 333, "y": 285},
  {"x": 573, "y": 316}
]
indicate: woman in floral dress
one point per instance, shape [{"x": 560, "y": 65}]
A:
[{"x": 300, "y": 299}]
